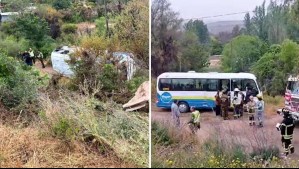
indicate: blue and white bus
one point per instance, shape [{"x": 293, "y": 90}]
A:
[{"x": 199, "y": 89}]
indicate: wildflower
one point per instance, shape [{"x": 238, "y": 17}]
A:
[{"x": 169, "y": 162}]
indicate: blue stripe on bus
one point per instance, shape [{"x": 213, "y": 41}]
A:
[{"x": 200, "y": 104}]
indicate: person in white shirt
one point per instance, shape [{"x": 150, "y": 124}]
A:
[{"x": 237, "y": 100}]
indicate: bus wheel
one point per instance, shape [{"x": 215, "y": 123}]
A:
[{"x": 184, "y": 107}]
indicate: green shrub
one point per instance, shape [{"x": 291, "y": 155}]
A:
[
  {"x": 69, "y": 28},
  {"x": 160, "y": 135},
  {"x": 65, "y": 129},
  {"x": 133, "y": 84},
  {"x": 109, "y": 78},
  {"x": 101, "y": 26},
  {"x": 18, "y": 84},
  {"x": 59, "y": 4},
  {"x": 11, "y": 46},
  {"x": 265, "y": 153}
]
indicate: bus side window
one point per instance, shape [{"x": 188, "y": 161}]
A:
[
  {"x": 224, "y": 84},
  {"x": 236, "y": 83},
  {"x": 200, "y": 84},
  {"x": 165, "y": 85},
  {"x": 212, "y": 85},
  {"x": 250, "y": 84}
]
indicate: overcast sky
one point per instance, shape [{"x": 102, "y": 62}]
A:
[{"x": 189, "y": 9}]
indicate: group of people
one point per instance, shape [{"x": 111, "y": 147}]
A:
[
  {"x": 240, "y": 101},
  {"x": 29, "y": 57},
  {"x": 255, "y": 111}
]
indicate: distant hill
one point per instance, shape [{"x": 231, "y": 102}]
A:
[{"x": 223, "y": 26}]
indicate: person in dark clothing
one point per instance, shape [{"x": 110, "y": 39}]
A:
[
  {"x": 218, "y": 104},
  {"x": 40, "y": 57},
  {"x": 242, "y": 104},
  {"x": 224, "y": 105},
  {"x": 287, "y": 129},
  {"x": 249, "y": 93},
  {"x": 27, "y": 59}
]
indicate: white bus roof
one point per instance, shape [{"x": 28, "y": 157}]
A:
[
  {"x": 212, "y": 75},
  {"x": 293, "y": 78}
]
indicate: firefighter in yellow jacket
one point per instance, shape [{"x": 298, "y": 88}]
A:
[{"x": 194, "y": 123}]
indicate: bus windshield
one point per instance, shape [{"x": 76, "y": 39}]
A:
[{"x": 293, "y": 86}]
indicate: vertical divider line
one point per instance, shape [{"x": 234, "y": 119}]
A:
[{"x": 150, "y": 88}]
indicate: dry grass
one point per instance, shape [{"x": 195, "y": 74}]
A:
[
  {"x": 273, "y": 103},
  {"x": 122, "y": 134},
  {"x": 232, "y": 144},
  {"x": 26, "y": 148}
]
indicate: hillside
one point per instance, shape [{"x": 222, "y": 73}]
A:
[{"x": 223, "y": 26}]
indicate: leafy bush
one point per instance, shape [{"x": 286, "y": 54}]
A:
[
  {"x": 133, "y": 84},
  {"x": 18, "y": 84},
  {"x": 101, "y": 26},
  {"x": 109, "y": 78},
  {"x": 11, "y": 46},
  {"x": 285, "y": 59},
  {"x": 58, "y": 4},
  {"x": 241, "y": 53},
  {"x": 160, "y": 135},
  {"x": 65, "y": 129},
  {"x": 69, "y": 28}
]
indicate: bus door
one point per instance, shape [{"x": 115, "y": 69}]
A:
[
  {"x": 235, "y": 83},
  {"x": 224, "y": 85}
]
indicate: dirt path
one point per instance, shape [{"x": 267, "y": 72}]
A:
[
  {"x": 237, "y": 131},
  {"x": 48, "y": 70}
]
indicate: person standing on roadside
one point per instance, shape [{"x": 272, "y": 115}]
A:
[
  {"x": 175, "y": 113},
  {"x": 218, "y": 104},
  {"x": 40, "y": 57},
  {"x": 27, "y": 59},
  {"x": 31, "y": 53},
  {"x": 224, "y": 105}
]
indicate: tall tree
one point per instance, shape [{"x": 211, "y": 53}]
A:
[
  {"x": 216, "y": 46},
  {"x": 248, "y": 25},
  {"x": 194, "y": 56},
  {"x": 132, "y": 30},
  {"x": 236, "y": 31},
  {"x": 277, "y": 29},
  {"x": 241, "y": 53},
  {"x": 34, "y": 29},
  {"x": 165, "y": 32},
  {"x": 260, "y": 25},
  {"x": 200, "y": 29}
]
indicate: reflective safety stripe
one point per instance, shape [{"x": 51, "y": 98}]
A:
[{"x": 287, "y": 137}]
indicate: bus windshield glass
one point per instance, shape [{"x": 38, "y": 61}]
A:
[{"x": 293, "y": 86}]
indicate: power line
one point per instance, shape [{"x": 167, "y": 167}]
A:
[{"x": 215, "y": 16}]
